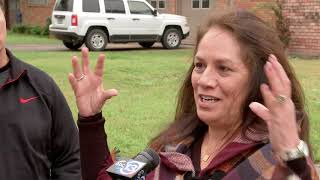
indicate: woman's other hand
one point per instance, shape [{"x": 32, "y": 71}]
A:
[
  {"x": 278, "y": 110},
  {"x": 87, "y": 85}
]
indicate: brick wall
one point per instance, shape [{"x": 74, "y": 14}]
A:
[
  {"x": 304, "y": 21},
  {"x": 304, "y": 18},
  {"x": 259, "y": 7},
  {"x": 36, "y": 14},
  {"x": 171, "y": 7}
]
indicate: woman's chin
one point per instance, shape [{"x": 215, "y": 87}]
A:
[{"x": 208, "y": 118}]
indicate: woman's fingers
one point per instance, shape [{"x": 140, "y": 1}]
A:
[
  {"x": 85, "y": 60},
  {"x": 281, "y": 74},
  {"x": 73, "y": 81},
  {"x": 277, "y": 77},
  {"x": 108, "y": 94},
  {"x": 76, "y": 67},
  {"x": 273, "y": 79},
  {"x": 261, "y": 111},
  {"x": 100, "y": 65},
  {"x": 268, "y": 96}
]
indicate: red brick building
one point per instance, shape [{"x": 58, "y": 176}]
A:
[
  {"x": 303, "y": 15},
  {"x": 32, "y": 12},
  {"x": 304, "y": 18}
]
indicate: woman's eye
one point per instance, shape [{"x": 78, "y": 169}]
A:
[
  {"x": 198, "y": 66},
  {"x": 224, "y": 69}
]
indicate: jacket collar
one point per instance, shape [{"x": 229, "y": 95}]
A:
[
  {"x": 16, "y": 66},
  {"x": 17, "y": 69}
]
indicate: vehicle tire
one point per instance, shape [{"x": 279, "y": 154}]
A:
[
  {"x": 171, "y": 38},
  {"x": 146, "y": 44},
  {"x": 96, "y": 40},
  {"x": 72, "y": 45}
]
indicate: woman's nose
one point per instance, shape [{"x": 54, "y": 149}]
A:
[{"x": 208, "y": 79}]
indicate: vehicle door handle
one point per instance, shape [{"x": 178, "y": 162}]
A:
[
  {"x": 111, "y": 18},
  {"x": 136, "y": 19}
]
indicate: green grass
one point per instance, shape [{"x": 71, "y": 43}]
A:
[
  {"x": 147, "y": 82},
  {"x": 14, "y": 38},
  {"x": 309, "y": 75}
]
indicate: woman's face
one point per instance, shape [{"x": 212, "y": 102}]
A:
[{"x": 219, "y": 79}]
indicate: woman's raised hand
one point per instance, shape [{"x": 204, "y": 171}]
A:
[
  {"x": 87, "y": 85},
  {"x": 278, "y": 110}
]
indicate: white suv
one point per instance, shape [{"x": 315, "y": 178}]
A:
[{"x": 97, "y": 22}]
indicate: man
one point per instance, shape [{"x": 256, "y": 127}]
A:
[{"x": 38, "y": 137}]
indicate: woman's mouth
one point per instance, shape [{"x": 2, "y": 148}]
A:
[{"x": 208, "y": 99}]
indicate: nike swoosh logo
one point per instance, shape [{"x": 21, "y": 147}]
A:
[{"x": 24, "y": 101}]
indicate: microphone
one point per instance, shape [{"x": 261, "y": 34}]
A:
[{"x": 136, "y": 168}]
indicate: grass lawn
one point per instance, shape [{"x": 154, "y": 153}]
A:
[
  {"x": 14, "y": 38},
  {"x": 148, "y": 82},
  {"x": 309, "y": 75}
]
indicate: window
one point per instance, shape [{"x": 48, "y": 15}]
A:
[
  {"x": 64, "y": 5},
  {"x": 161, "y": 4},
  {"x": 90, "y": 6},
  {"x": 38, "y": 2},
  {"x": 153, "y": 4},
  {"x": 114, "y": 6},
  {"x": 137, "y": 7},
  {"x": 195, "y": 3},
  {"x": 204, "y": 4}
]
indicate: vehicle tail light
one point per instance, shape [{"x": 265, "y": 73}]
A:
[{"x": 74, "y": 20}]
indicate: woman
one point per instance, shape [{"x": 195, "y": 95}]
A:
[{"x": 246, "y": 119}]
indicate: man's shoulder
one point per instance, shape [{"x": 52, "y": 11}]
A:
[
  {"x": 37, "y": 77},
  {"x": 36, "y": 74}
]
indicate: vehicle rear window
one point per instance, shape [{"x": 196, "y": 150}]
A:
[
  {"x": 114, "y": 6},
  {"x": 64, "y": 5},
  {"x": 90, "y": 6}
]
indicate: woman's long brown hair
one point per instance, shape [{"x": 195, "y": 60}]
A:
[{"x": 257, "y": 41}]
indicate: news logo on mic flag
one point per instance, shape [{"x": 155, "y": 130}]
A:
[
  {"x": 136, "y": 168},
  {"x": 127, "y": 168}
]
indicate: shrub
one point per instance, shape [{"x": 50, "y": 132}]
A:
[
  {"x": 45, "y": 30},
  {"x": 34, "y": 30},
  {"x": 22, "y": 29},
  {"x": 281, "y": 23}
]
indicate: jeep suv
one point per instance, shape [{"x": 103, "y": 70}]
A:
[{"x": 97, "y": 22}]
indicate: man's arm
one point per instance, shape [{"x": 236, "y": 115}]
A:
[{"x": 65, "y": 153}]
